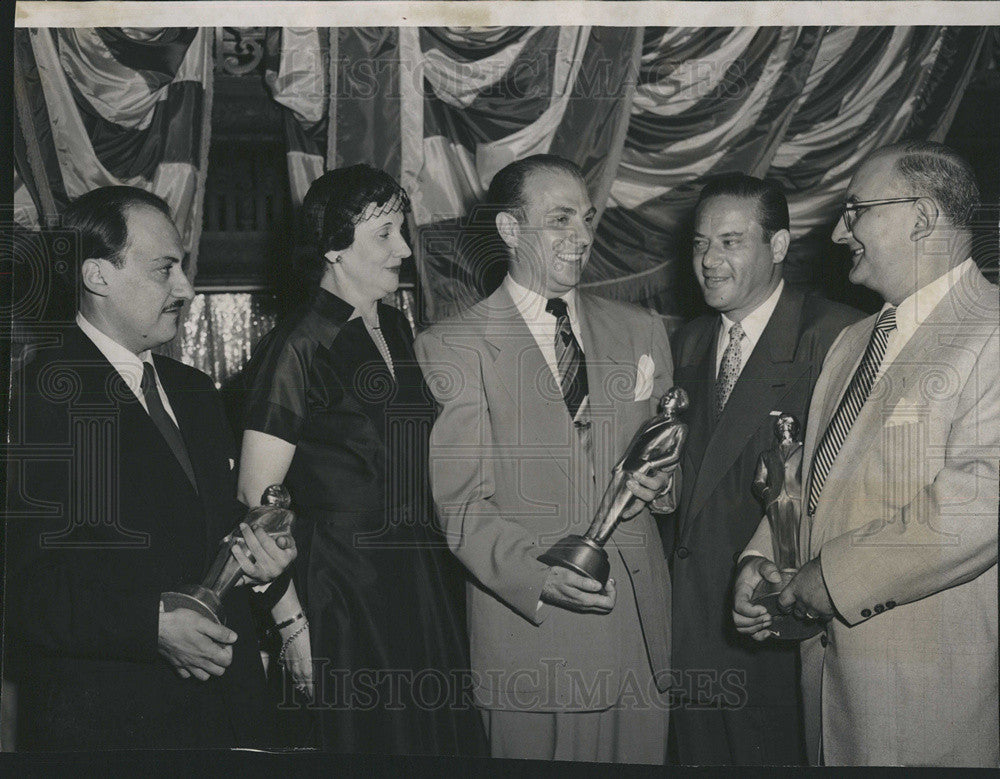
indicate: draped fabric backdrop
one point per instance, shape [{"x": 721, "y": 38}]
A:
[
  {"x": 648, "y": 113},
  {"x": 113, "y": 106}
]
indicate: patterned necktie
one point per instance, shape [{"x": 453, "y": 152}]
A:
[
  {"x": 569, "y": 357},
  {"x": 164, "y": 423},
  {"x": 729, "y": 369},
  {"x": 850, "y": 405}
]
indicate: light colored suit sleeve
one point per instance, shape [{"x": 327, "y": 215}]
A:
[
  {"x": 663, "y": 373},
  {"x": 663, "y": 377},
  {"x": 499, "y": 552},
  {"x": 947, "y": 535}
]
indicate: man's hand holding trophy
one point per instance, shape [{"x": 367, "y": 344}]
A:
[
  {"x": 580, "y": 563},
  {"x": 777, "y": 597}
]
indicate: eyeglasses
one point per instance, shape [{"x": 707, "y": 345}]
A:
[{"x": 848, "y": 211}]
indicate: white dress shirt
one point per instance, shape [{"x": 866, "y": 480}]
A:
[
  {"x": 541, "y": 323},
  {"x": 126, "y": 362},
  {"x": 753, "y": 326},
  {"x": 910, "y": 314},
  {"x": 912, "y": 311}
]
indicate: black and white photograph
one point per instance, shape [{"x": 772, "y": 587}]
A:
[{"x": 438, "y": 386}]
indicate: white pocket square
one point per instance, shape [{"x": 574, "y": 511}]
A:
[
  {"x": 644, "y": 371},
  {"x": 232, "y": 463}
]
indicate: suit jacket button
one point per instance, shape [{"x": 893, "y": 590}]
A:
[
  {"x": 823, "y": 640},
  {"x": 890, "y": 604},
  {"x": 879, "y": 608},
  {"x": 866, "y": 613},
  {"x": 682, "y": 552}
]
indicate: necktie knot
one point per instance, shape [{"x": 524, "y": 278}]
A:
[
  {"x": 887, "y": 320},
  {"x": 148, "y": 381},
  {"x": 556, "y": 307}
]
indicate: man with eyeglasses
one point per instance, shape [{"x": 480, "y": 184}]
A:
[{"x": 900, "y": 505}]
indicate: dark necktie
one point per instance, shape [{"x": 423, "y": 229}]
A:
[
  {"x": 569, "y": 358},
  {"x": 164, "y": 423},
  {"x": 850, "y": 405}
]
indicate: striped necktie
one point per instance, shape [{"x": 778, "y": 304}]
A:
[
  {"x": 850, "y": 405},
  {"x": 569, "y": 358},
  {"x": 168, "y": 429},
  {"x": 729, "y": 368}
]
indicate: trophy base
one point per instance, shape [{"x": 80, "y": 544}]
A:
[
  {"x": 579, "y": 554},
  {"x": 785, "y": 627},
  {"x": 200, "y": 600}
]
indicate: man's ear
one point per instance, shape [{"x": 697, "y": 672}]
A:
[
  {"x": 779, "y": 245},
  {"x": 92, "y": 276},
  {"x": 926, "y": 219},
  {"x": 509, "y": 228}
]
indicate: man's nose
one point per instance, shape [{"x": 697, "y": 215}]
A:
[
  {"x": 840, "y": 231},
  {"x": 712, "y": 257},
  {"x": 582, "y": 234},
  {"x": 182, "y": 288}
]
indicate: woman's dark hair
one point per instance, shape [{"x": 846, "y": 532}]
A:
[
  {"x": 336, "y": 202},
  {"x": 772, "y": 207}
]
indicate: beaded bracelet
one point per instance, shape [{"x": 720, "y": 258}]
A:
[
  {"x": 289, "y": 640},
  {"x": 289, "y": 621}
]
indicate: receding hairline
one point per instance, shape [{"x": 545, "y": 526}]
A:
[{"x": 545, "y": 167}]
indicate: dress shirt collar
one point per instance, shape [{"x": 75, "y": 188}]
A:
[
  {"x": 532, "y": 305},
  {"x": 125, "y": 361},
  {"x": 912, "y": 311},
  {"x": 754, "y": 322}
]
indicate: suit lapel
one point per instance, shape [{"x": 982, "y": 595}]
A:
[
  {"x": 939, "y": 340},
  {"x": 758, "y": 391},
  {"x": 183, "y": 405},
  {"x": 523, "y": 376},
  {"x": 610, "y": 364},
  {"x": 699, "y": 378}
]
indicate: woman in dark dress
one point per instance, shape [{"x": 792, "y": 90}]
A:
[{"x": 338, "y": 411}]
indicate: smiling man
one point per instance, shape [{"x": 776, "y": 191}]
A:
[
  {"x": 124, "y": 491},
  {"x": 899, "y": 530},
  {"x": 540, "y": 387},
  {"x": 757, "y": 357}
]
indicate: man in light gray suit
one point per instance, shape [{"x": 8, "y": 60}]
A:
[
  {"x": 540, "y": 388},
  {"x": 899, "y": 525}
]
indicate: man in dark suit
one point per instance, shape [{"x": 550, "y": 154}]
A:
[
  {"x": 757, "y": 357},
  {"x": 121, "y": 487}
]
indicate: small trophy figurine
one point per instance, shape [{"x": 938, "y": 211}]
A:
[
  {"x": 656, "y": 445},
  {"x": 777, "y": 483},
  {"x": 274, "y": 516}
]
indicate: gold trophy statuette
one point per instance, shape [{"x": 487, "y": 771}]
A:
[
  {"x": 656, "y": 445},
  {"x": 777, "y": 483},
  {"x": 274, "y": 516}
]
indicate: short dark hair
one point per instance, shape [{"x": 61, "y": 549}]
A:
[
  {"x": 934, "y": 170},
  {"x": 506, "y": 192},
  {"x": 772, "y": 207},
  {"x": 99, "y": 218},
  {"x": 335, "y": 203}
]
